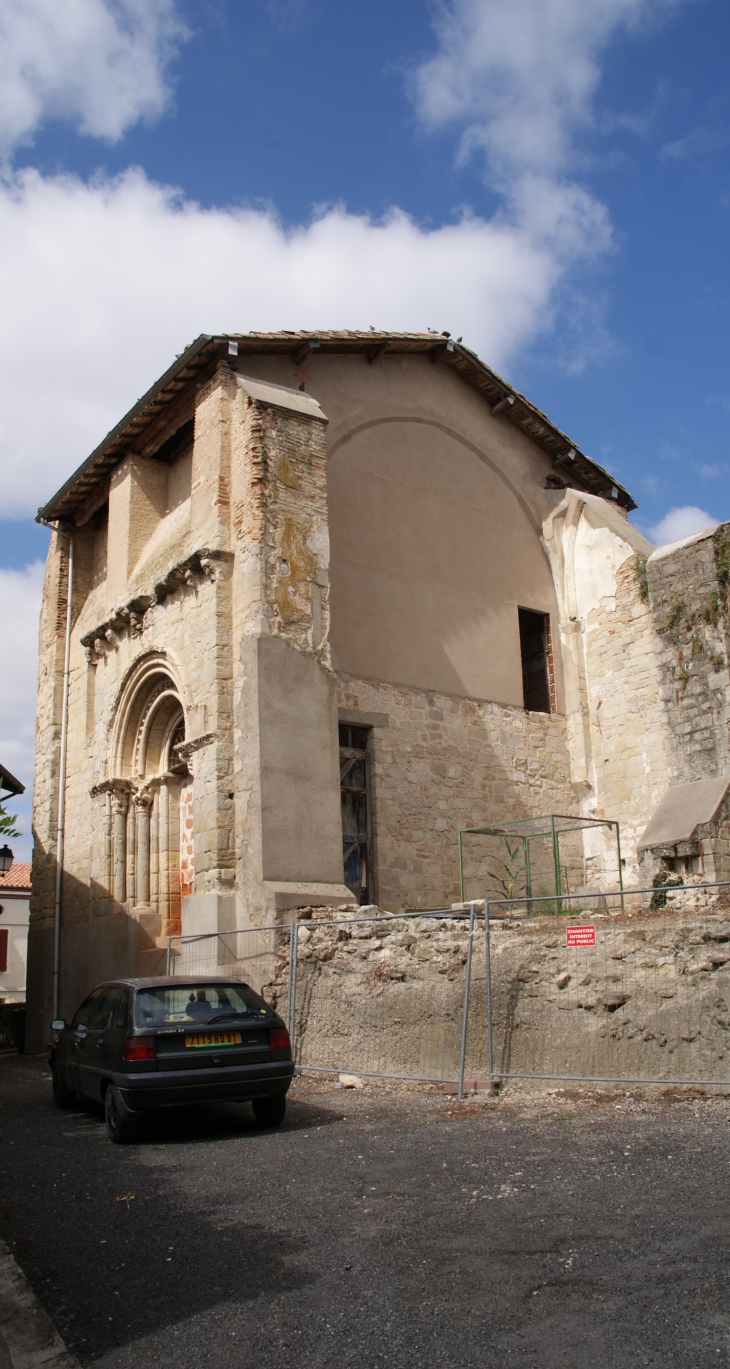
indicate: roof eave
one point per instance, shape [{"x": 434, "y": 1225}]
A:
[
  {"x": 471, "y": 369},
  {"x": 54, "y": 509},
  {"x": 9, "y": 782}
]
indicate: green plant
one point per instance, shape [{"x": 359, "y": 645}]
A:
[
  {"x": 697, "y": 645},
  {"x": 717, "y": 660},
  {"x": 512, "y": 868},
  {"x": 711, "y": 610},
  {"x": 677, "y": 610},
  {"x": 722, "y": 556},
  {"x": 7, "y": 823},
  {"x": 642, "y": 578}
]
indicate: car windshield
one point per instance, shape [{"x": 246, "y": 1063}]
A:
[{"x": 196, "y": 1003}]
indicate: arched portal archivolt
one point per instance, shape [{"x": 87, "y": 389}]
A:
[{"x": 149, "y": 805}]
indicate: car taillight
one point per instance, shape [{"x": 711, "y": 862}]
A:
[
  {"x": 140, "y": 1048},
  {"x": 279, "y": 1039}
]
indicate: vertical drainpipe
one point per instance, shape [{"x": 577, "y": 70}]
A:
[{"x": 61, "y": 823}]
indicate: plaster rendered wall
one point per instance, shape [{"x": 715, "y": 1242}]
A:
[
  {"x": 440, "y": 763},
  {"x": 435, "y": 513},
  {"x": 14, "y": 918}
]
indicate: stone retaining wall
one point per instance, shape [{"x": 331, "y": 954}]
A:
[{"x": 650, "y": 1000}]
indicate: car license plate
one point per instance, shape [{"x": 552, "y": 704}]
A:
[{"x": 214, "y": 1039}]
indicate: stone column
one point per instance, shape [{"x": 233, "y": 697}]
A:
[
  {"x": 131, "y": 853},
  {"x": 142, "y": 806},
  {"x": 108, "y": 845},
  {"x": 119, "y": 805},
  {"x": 163, "y": 897},
  {"x": 155, "y": 852}
]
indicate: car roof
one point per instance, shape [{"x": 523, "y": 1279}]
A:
[{"x": 165, "y": 981}]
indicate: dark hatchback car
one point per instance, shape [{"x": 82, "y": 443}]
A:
[{"x": 140, "y": 1044}]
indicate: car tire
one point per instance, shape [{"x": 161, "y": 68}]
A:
[
  {"x": 62, "y": 1097},
  {"x": 269, "y": 1112},
  {"x": 119, "y": 1128}
]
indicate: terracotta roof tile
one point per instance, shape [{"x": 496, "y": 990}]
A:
[{"x": 17, "y": 877}]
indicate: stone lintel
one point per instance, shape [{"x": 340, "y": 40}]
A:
[{"x": 361, "y": 719}]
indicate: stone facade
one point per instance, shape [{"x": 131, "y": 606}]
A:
[
  {"x": 440, "y": 764},
  {"x": 288, "y": 533}
]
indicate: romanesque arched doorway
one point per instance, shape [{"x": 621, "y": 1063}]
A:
[{"x": 150, "y": 789}]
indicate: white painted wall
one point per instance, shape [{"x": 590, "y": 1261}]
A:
[{"x": 14, "y": 917}]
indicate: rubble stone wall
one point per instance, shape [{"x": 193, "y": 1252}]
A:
[{"x": 688, "y": 588}]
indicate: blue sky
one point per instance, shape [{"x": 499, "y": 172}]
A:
[{"x": 549, "y": 178}]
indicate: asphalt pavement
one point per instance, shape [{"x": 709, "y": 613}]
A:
[{"x": 389, "y": 1226}]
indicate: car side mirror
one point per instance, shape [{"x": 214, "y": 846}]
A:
[{"x": 59, "y": 1025}]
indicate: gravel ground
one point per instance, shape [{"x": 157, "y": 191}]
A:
[{"x": 391, "y": 1225}]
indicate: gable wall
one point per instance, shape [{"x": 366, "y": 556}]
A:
[{"x": 435, "y": 516}]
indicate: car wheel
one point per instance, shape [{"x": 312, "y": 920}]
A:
[
  {"x": 118, "y": 1126},
  {"x": 62, "y": 1097},
  {"x": 269, "y": 1112}
]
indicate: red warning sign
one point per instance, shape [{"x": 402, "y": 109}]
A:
[{"x": 580, "y": 936}]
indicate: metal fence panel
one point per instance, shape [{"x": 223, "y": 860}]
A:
[
  {"x": 383, "y": 996},
  {"x": 639, "y": 989},
  {"x": 629, "y": 986},
  {"x": 258, "y": 954}
]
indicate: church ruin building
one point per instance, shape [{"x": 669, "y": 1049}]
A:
[{"x": 336, "y": 596}]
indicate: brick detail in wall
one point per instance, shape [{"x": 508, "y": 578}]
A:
[{"x": 550, "y": 664}]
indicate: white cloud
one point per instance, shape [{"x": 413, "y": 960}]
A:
[
  {"x": 103, "y": 283},
  {"x": 99, "y": 64},
  {"x": 21, "y": 598},
  {"x": 520, "y": 75},
  {"x": 679, "y": 523},
  {"x": 517, "y": 80}
]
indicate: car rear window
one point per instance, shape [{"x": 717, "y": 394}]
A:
[{"x": 197, "y": 1003}]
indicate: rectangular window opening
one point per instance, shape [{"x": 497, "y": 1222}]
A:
[
  {"x": 4, "y": 936},
  {"x": 355, "y": 801},
  {"x": 538, "y": 687}
]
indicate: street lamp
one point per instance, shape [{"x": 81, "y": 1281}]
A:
[{"x": 6, "y": 859}]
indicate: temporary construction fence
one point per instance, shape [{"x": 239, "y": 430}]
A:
[
  {"x": 631, "y": 986},
  {"x": 385, "y": 995}
]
